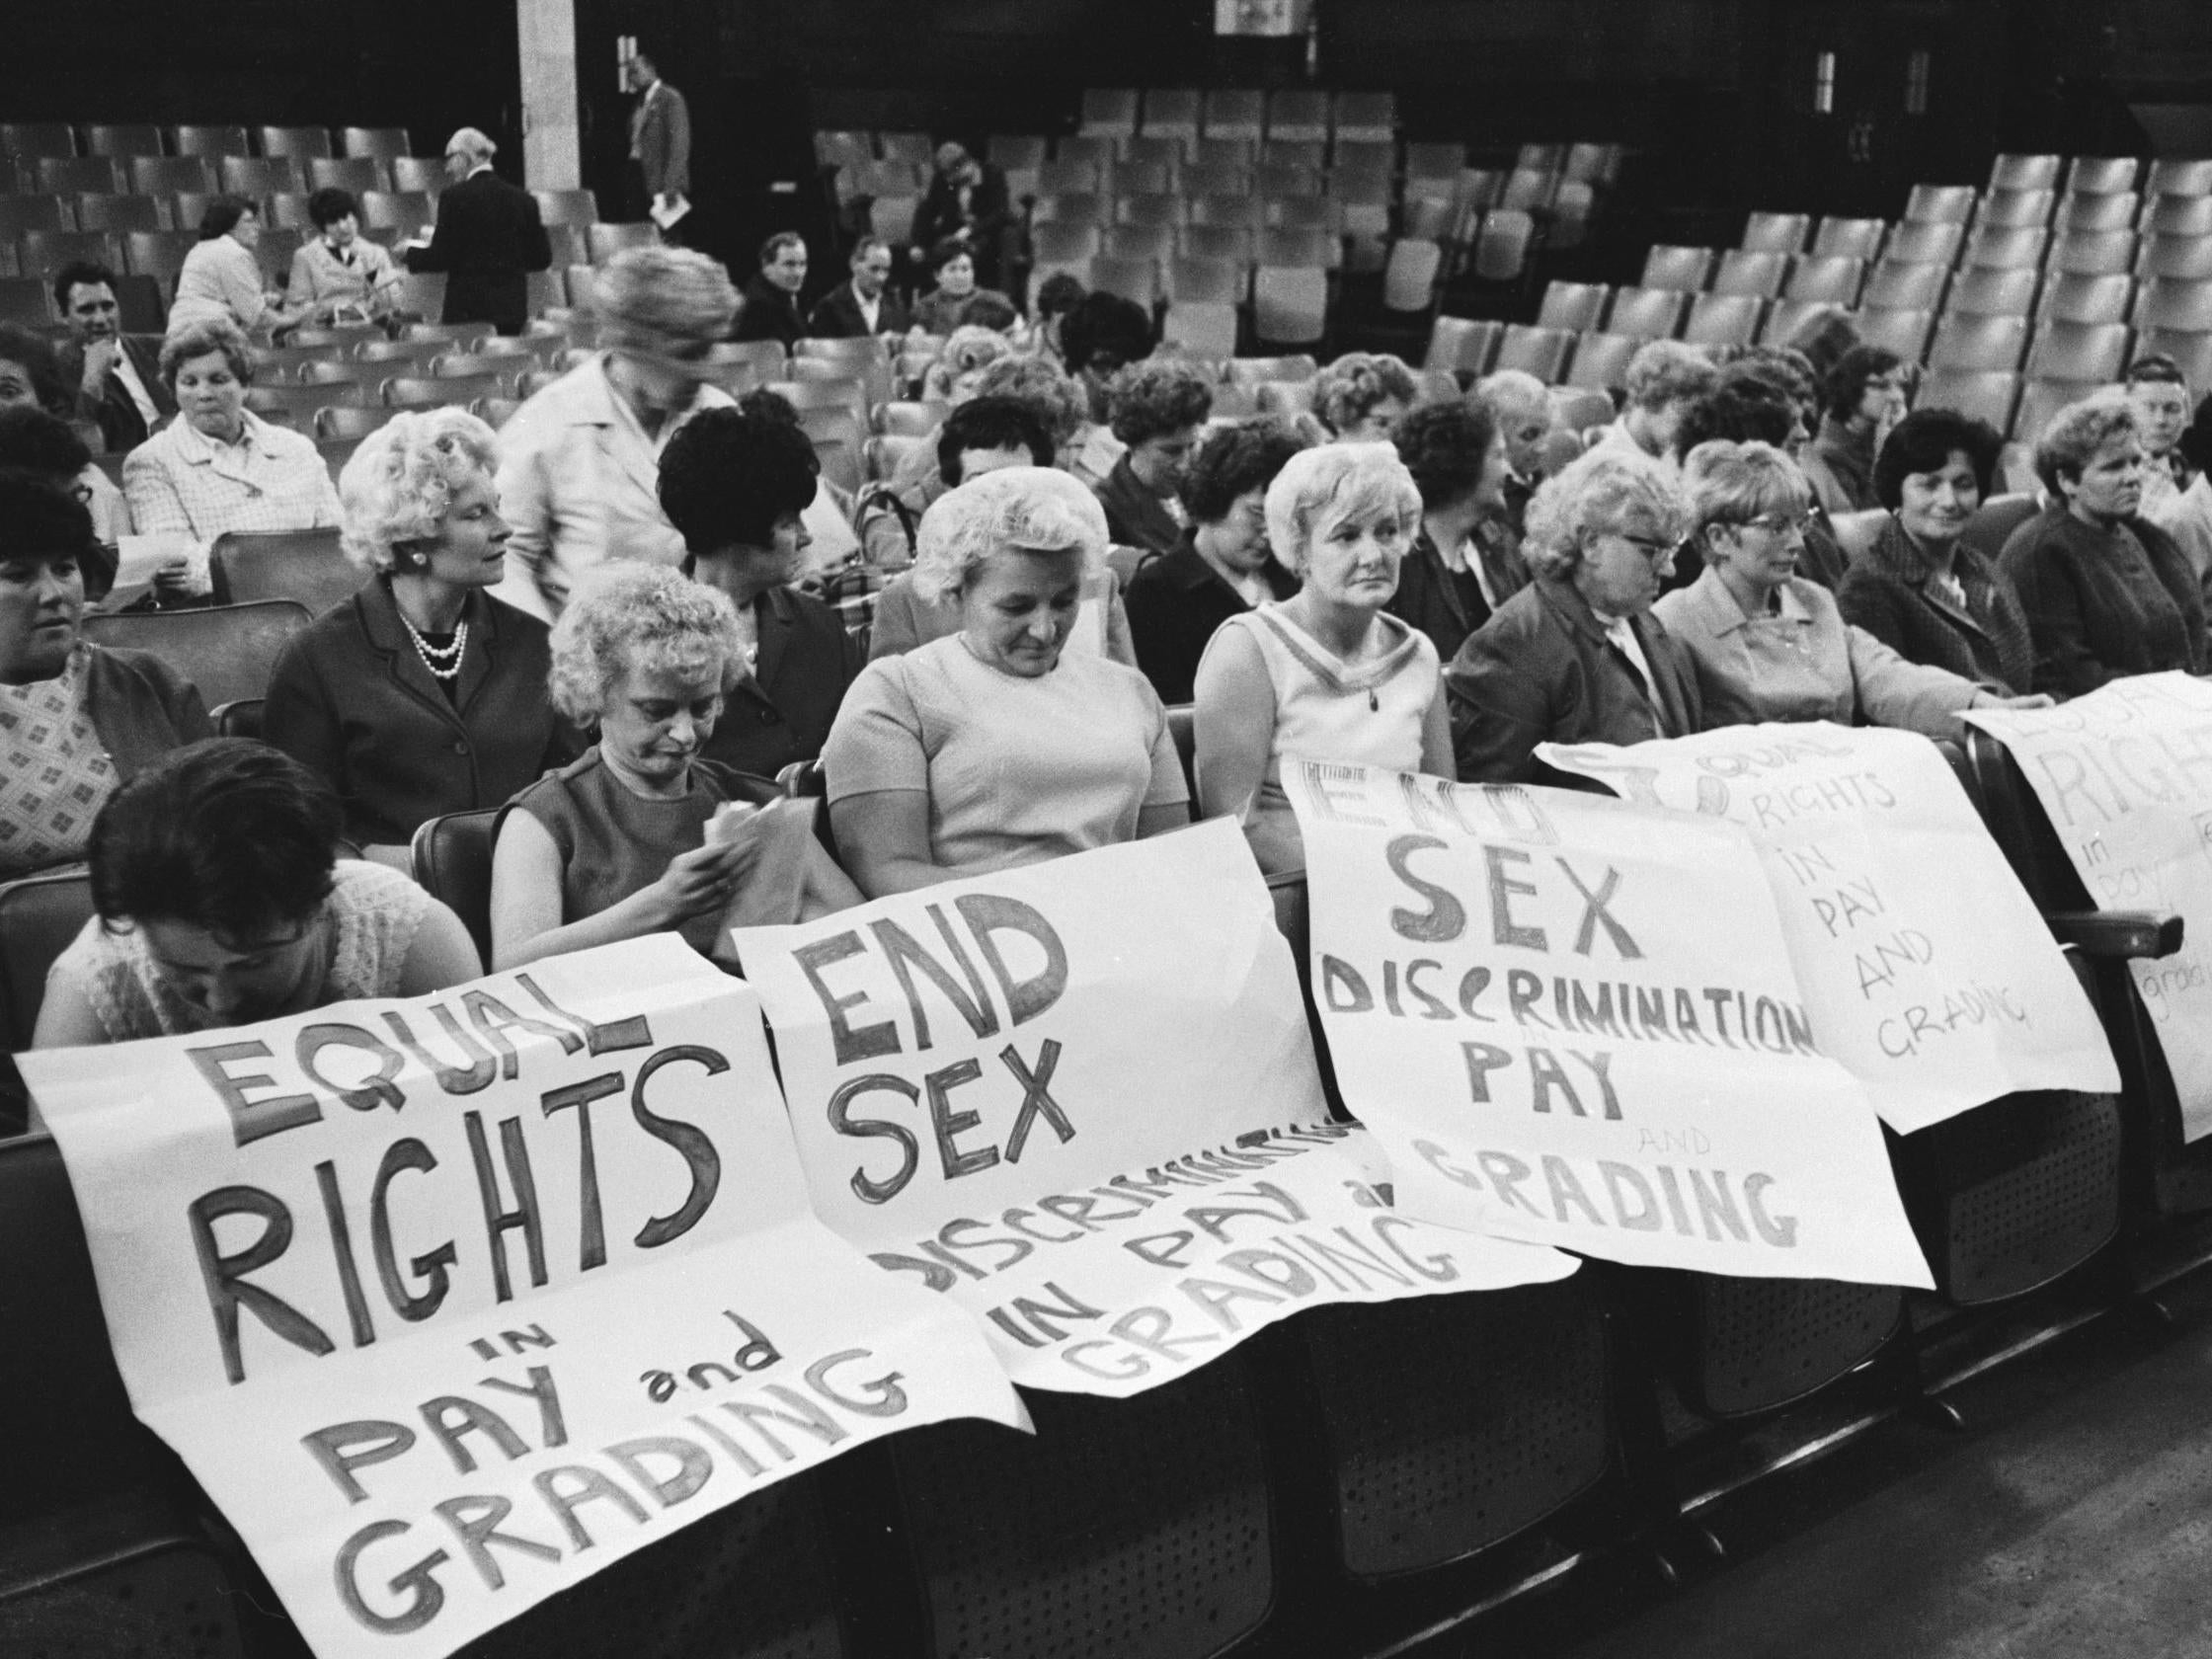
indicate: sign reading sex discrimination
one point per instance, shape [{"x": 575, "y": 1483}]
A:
[
  {"x": 1575, "y": 1021},
  {"x": 2124, "y": 775},
  {"x": 450, "y": 1303},
  {"x": 1926, "y": 971},
  {"x": 1079, "y": 1099}
]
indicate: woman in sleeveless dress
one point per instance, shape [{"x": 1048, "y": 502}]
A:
[{"x": 1327, "y": 674}]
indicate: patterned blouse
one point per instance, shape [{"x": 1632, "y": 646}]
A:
[{"x": 55, "y": 771}]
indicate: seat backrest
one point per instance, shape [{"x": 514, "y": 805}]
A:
[
  {"x": 1895, "y": 286},
  {"x": 1992, "y": 294},
  {"x": 1573, "y": 305},
  {"x": 1970, "y": 341},
  {"x": 2093, "y": 253},
  {"x": 1939, "y": 204},
  {"x": 2087, "y": 300},
  {"x": 1924, "y": 244},
  {"x": 297, "y": 143},
  {"x": 380, "y": 142},
  {"x": 1717, "y": 319},
  {"x": 1776, "y": 233},
  {"x": 2175, "y": 304},
  {"x": 305, "y": 565},
  {"x": 1994, "y": 521},
  {"x": 39, "y": 916},
  {"x": 1903, "y": 330},
  {"x": 1601, "y": 361},
  {"x": 1460, "y": 345},
  {"x": 2078, "y": 352},
  {"x": 2186, "y": 257},
  {"x": 1651, "y": 314},
  {"x": 1539, "y": 351},
  {"x": 1680, "y": 268},
  {"x": 1984, "y": 394},
  {"x": 2179, "y": 176},
  {"x": 1833, "y": 280},
  {"x": 2001, "y": 248},
  {"x": 1744, "y": 272},
  {"x": 1860, "y": 238},
  {"x": 2098, "y": 212},
  {"x": 2025, "y": 172},
  {"x": 228, "y": 652},
  {"x": 451, "y": 860},
  {"x": 2008, "y": 209}
]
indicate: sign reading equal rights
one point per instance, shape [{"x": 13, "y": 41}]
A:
[
  {"x": 1079, "y": 1099},
  {"x": 450, "y": 1303},
  {"x": 2124, "y": 774},
  {"x": 1927, "y": 970},
  {"x": 1574, "y": 1021}
]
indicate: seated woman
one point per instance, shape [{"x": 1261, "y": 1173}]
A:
[
  {"x": 48, "y": 448},
  {"x": 1328, "y": 672},
  {"x": 219, "y": 466},
  {"x": 621, "y": 841},
  {"x": 76, "y": 719},
  {"x": 1864, "y": 397},
  {"x": 1224, "y": 565},
  {"x": 221, "y": 900},
  {"x": 1769, "y": 644},
  {"x": 939, "y": 310},
  {"x": 737, "y": 484},
  {"x": 1576, "y": 656},
  {"x": 341, "y": 275},
  {"x": 1360, "y": 397},
  {"x": 422, "y": 694},
  {"x": 1156, "y": 408},
  {"x": 1919, "y": 589},
  {"x": 2187, "y": 515},
  {"x": 2106, "y": 593},
  {"x": 1454, "y": 578},
  {"x": 999, "y": 747},
  {"x": 980, "y": 436},
  {"x": 221, "y": 277}
]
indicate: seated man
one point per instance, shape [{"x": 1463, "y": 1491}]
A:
[
  {"x": 1664, "y": 378},
  {"x": 968, "y": 203},
  {"x": 865, "y": 305},
  {"x": 117, "y": 380},
  {"x": 1156, "y": 409},
  {"x": 2159, "y": 392},
  {"x": 771, "y": 298}
]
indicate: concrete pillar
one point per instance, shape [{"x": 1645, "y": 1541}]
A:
[{"x": 552, "y": 142}]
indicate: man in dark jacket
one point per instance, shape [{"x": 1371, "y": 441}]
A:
[
  {"x": 772, "y": 299},
  {"x": 117, "y": 379},
  {"x": 489, "y": 238},
  {"x": 865, "y": 305},
  {"x": 967, "y": 203},
  {"x": 660, "y": 140}
]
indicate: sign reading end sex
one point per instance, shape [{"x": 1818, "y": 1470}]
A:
[
  {"x": 1575, "y": 1022},
  {"x": 450, "y": 1303}
]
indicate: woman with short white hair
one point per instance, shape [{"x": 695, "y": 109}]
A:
[
  {"x": 580, "y": 461},
  {"x": 994, "y": 747},
  {"x": 642, "y": 833},
  {"x": 422, "y": 694},
  {"x": 1327, "y": 673}
]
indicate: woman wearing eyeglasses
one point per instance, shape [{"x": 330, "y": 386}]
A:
[
  {"x": 1769, "y": 644},
  {"x": 1577, "y": 656}
]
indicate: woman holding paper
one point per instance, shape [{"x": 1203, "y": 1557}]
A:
[
  {"x": 2107, "y": 594},
  {"x": 221, "y": 900},
  {"x": 995, "y": 745},
  {"x": 643, "y": 835},
  {"x": 1328, "y": 673},
  {"x": 77, "y": 720},
  {"x": 1769, "y": 644}
]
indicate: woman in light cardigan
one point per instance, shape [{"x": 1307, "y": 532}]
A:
[{"x": 1770, "y": 645}]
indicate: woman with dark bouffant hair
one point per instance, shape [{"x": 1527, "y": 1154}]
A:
[{"x": 220, "y": 899}]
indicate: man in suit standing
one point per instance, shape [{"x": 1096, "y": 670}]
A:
[
  {"x": 865, "y": 305},
  {"x": 772, "y": 299},
  {"x": 659, "y": 141},
  {"x": 488, "y": 237},
  {"x": 967, "y": 203},
  {"x": 117, "y": 381}
]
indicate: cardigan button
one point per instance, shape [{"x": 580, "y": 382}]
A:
[
  {"x": 768, "y": 716},
  {"x": 459, "y": 746}
]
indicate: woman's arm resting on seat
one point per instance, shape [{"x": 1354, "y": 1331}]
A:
[
  {"x": 884, "y": 836},
  {"x": 441, "y": 955}
]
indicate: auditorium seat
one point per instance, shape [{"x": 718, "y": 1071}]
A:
[
  {"x": 2179, "y": 305},
  {"x": 1540, "y": 352},
  {"x": 1289, "y": 305},
  {"x": 1109, "y": 109},
  {"x": 1648, "y": 314},
  {"x": 2192, "y": 351},
  {"x": 1829, "y": 280},
  {"x": 2005, "y": 247},
  {"x": 1296, "y": 114},
  {"x": 25, "y": 300},
  {"x": 1153, "y": 212},
  {"x": 1579, "y": 409},
  {"x": 1307, "y": 211},
  {"x": 1904, "y": 330},
  {"x": 166, "y": 175},
  {"x": 376, "y": 143},
  {"x": 1741, "y": 272},
  {"x": 1677, "y": 268},
  {"x": 1297, "y": 249},
  {"x": 305, "y": 566},
  {"x": 1939, "y": 204},
  {"x": 1718, "y": 319},
  {"x": 1992, "y": 293},
  {"x": 2088, "y": 351},
  {"x": 1501, "y": 246},
  {"x": 2100, "y": 253},
  {"x": 2098, "y": 212},
  {"x": 1984, "y": 394},
  {"x": 2025, "y": 172},
  {"x": 2179, "y": 215},
  {"x": 2178, "y": 176},
  {"x": 1462, "y": 346},
  {"x": 1282, "y": 365},
  {"x": 358, "y": 174},
  {"x": 2015, "y": 209},
  {"x": 2186, "y": 258},
  {"x": 1202, "y": 329},
  {"x": 228, "y": 652},
  {"x": 31, "y": 141},
  {"x": 2087, "y": 300},
  {"x": 44, "y": 252},
  {"x": 349, "y": 425},
  {"x": 295, "y": 405},
  {"x": 1778, "y": 233},
  {"x": 77, "y": 175},
  {"x": 1853, "y": 238},
  {"x": 578, "y": 208},
  {"x": 1234, "y": 113},
  {"x": 1242, "y": 212},
  {"x": 295, "y": 144},
  {"x": 1745, "y": 1346},
  {"x": 2039, "y": 401},
  {"x": 19, "y": 214},
  {"x": 1364, "y": 117},
  {"x": 1787, "y": 316},
  {"x": 209, "y": 140},
  {"x": 159, "y": 254},
  {"x": 112, "y": 215},
  {"x": 451, "y": 858},
  {"x": 422, "y": 174},
  {"x": 1896, "y": 286},
  {"x": 1186, "y": 279},
  {"x": 1973, "y": 342},
  {"x": 1171, "y": 112},
  {"x": 1573, "y": 306},
  {"x": 39, "y": 915},
  {"x": 255, "y": 177},
  {"x": 1601, "y": 361}
]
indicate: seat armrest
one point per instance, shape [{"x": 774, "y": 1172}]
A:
[{"x": 2117, "y": 934}]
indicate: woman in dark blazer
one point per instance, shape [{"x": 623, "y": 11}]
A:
[
  {"x": 734, "y": 483},
  {"x": 1450, "y": 582},
  {"x": 420, "y": 695},
  {"x": 2107, "y": 594}
]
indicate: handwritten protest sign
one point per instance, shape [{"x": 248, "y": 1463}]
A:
[
  {"x": 2125, "y": 776},
  {"x": 1080, "y": 1099},
  {"x": 1574, "y": 1021},
  {"x": 450, "y": 1303},
  {"x": 1927, "y": 970}
]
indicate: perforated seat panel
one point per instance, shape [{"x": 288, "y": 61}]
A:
[{"x": 1760, "y": 1343}]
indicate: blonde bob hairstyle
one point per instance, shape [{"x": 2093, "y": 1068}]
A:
[
  {"x": 1596, "y": 493},
  {"x": 657, "y": 300},
  {"x": 398, "y": 485},
  {"x": 625, "y": 616},
  {"x": 1734, "y": 483},
  {"x": 1014, "y": 509},
  {"x": 1348, "y": 390},
  {"x": 1319, "y": 489}
]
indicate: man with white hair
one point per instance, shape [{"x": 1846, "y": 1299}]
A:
[{"x": 489, "y": 238}]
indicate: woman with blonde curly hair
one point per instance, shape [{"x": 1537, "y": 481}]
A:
[
  {"x": 1576, "y": 656},
  {"x": 580, "y": 461},
  {"x": 643, "y": 834},
  {"x": 1328, "y": 672},
  {"x": 1362, "y": 396},
  {"x": 995, "y": 745},
  {"x": 422, "y": 694}
]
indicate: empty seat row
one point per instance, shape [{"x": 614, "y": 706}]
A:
[
  {"x": 1235, "y": 113},
  {"x": 2102, "y": 174},
  {"x": 240, "y": 175},
  {"x": 1943, "y": 240},
  {"x": 55, "y": 141}
]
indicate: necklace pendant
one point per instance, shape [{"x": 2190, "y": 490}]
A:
[{"x": 1374, "y": 704}]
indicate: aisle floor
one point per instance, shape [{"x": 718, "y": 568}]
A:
[{"x": 2072, "y": 1520}]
